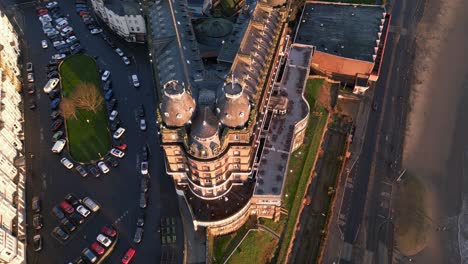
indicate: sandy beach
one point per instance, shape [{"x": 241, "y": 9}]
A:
[{"x": 436, "y": 137}]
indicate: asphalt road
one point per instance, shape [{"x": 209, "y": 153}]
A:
[
  {"x": 118, "y": 191},
  {"x": 384, "y": 131}
]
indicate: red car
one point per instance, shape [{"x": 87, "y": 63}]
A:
[
  {"x": 128, "y": 256},
  {"x": 97, "y": 248},
  {"x": 84, "y": 13},
  {"x": 121, "y": 147},
  {"x": 67, "y": 207},
  {"x": 42, "y": 11},
  {"x": 110, "y": 232}
]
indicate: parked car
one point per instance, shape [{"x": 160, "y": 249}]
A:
[
  {"x": 32, "y": 104},
  {"x": 138, "y": 235},
  {"x": 76, "y": 218},
  {"x": 143, "y": 200},
  {"x": 50, "y": 85},
  {"x": 126, "y": 60},
  {"x": 111, "y": 104},
  {"x": 82, "y": 211},
  {"x": 105, "y": 76},
  {"x": 37, "y": 242},
  {"x": 108, "y": 95},
  {"x": 52, "y": 74},
  {"x": 58, "y": 146},
  {"x": 144, "y": 184},
  {"x": 51, "y": 5},
  {"x": 52, "y": 68},
  {"x": 29, "y": 67},
  {"x": 105, "y": 241},
  {"x": 67, "y": 163},
  {"x": 36, "y": 204},
  {"x": 96, "y": 31},
  {"x": 144, "y": 153},
  {"x": 57, "y": 212},
  {"x": 128, "y": 256},
  {"x": 108, "y": 231},
  {"x": 57, "y": 136},
  {"x": 115, "y": 125},
  {"x": 135, "y": 81},
  {"x": 75, "y": 46},
  {"x": 142, "y": 124},
  {"x": 121, "y": 147},
  {"x": 144, "y": 167},
  {"x": 55, "y": 103},
  {"x": 60, "y": 233},
  {"x": 97, "y": 248},
  {"x": 44, "y": 44},
  {"x": 58, "y": 43},
  {"x": 72, "y": 199},
  {"x": 119, "y": 132},
  {"x": 112, "y": 162},
  {"x": 92, "y": 205},
  {"x": 117, "y": 153},
  {"x": 66, "y": 207},
  {"x": 59, "y": 56},
  {"x": 55, "y": 93},
  {"x": 67, "y": 225},
  {"x": 37, "y": 221},
  {"x": 53, "y": 62},
  {"x": 103, "y": 167},
  {"x": 57, "y": 124},
  {"x": 31, "y": 88},
  {"x": 119, "y": 51},
  {"x": 89, "y": 255},
  {"x": 30, "y": 77},
  {"x": 72, "y": 40},
  {"x": 113, "y": 114},
  {"x": 141, "y": 111},
  {"x": 81, "y": 170},
  {"x": 107, "y": 85},
  {"x": 94, "y": 171},
  {"x": 141, "y": 219}
]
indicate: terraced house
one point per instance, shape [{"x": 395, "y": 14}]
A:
[{"x": 12, "y": 177}]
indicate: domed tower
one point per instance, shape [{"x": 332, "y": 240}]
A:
[
  {"x": 177, "y": 104},
  {"x": 233, "y": 106},
  {"x": 204, "y": 134}
]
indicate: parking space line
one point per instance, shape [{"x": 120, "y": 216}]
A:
[{"x": 118, "y": 220}]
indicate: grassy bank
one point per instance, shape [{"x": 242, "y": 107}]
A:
[{"x": 88, "y": 134}]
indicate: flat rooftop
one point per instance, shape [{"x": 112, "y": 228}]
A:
[
  {"x": 345, "y": 30},
  {"x": 274, "y": 161}
]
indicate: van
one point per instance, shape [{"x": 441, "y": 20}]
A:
[
  {"x": 135, "y": 81},
  {"x": 91, "y": 204},
  {"x": 58, "y": 146},
  {"x": 50, "y": 85},
  {"x": 89, "y": 255}
]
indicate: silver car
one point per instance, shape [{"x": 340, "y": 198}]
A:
[{"x": 138, "y": 235}]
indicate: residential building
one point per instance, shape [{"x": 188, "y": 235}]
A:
[
  {"x": 124, "y": 17},
  {"x": 12, "y": 178}
]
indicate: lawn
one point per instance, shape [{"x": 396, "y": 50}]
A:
[
  {"x": 262, "y": 252},
  {"x": 88, "y": 135}
]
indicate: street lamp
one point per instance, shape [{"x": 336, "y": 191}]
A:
[{"x": 87, "y": 120}]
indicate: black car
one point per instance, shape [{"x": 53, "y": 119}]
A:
[
  {"x": 94, "y": 171},
  {"x": 112, "y": 162},
  {"x": 75, "y": 46},
  {"x": 141, "y": 219},
  {"x": 65, "y": 51},
  {"x": 32, "y": 104},
  {"x": 107, "y": 85},
  {"x": 115, "y": 125},
  {"x": 144, "y": 184},
  {"x": 36, "y": 204},
  {"x": 57, "y": 124},
  {"x": 31, "y": 88},
  {"x": 37, "y": 242},
  {"x": 60, "y": 233},
  {"x": 52, "y": 74},
  {"x": 141, "y": 111},
  {"x": 63, "y": 46},
  {"x": 81, "y": 170},
  {"x": 37, "y": 221},
  {"x": 111, "y": 104},
  {"x": 67, "y": 225},
  {"x": 51, "y": 68},
  {"x": 76, "y": 218},
  {"x": 145, "y": 153},
  {"x": 55, "y": 114},
  {"x": 77, "y": 50},
  {"x": 55, "y": 93},
  {"x": 57, "y": 212},
  {"x": 53, "y": 62},
  {"x": 72, "y": 199},
  {"x": 111, "y": 43}
]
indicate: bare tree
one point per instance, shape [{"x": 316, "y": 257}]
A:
[
  {"x": 87, "y": 96},
  {"x": 68, "y": 108}
]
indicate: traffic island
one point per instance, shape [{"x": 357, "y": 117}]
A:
[{"x": 82, "y": 107}]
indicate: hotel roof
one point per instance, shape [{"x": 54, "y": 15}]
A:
[{"x": 345, "y": 30}]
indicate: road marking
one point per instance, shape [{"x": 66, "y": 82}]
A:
[
  {"x": 44, "y": 181},
  {"x": 118, "y": 220},
  {"x": 41, "y": 134}
]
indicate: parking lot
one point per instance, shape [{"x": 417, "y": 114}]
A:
[{"x": 118, "y": 192}]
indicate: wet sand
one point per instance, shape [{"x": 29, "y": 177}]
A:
[{"x": 437, "y": 130}]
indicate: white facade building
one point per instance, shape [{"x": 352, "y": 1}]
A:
[
  {"x": 12, "y": 179},
  {"x": 124, "y": 17}
]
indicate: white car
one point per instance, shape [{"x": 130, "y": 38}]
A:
[
  {"x": 95, "y": 31},
  {"x": 51, "y": 5},
  {"x": 44, "y": 44},
  {"x": 119, "y": 132},
  {"x": 50, "y": 85},
  {"x": 45, "y": 18},
  {"x": 58, "y": 146},
  {"x": 126, "y": 60},
  {"x": 117, "y": 153},
  {"x": 113, "y": 115},
  {"x": 83, "y": 211},
  {"x": 67, "y": 163},
  {"x": 71, "y": 39},
  {"x": 135, "y": 80},
  {"x": 59, "y": 56},
  {"x": 105, "y": 76},
  {"x": 142, "y": 124},
  {"x": 66, "y": 29},
  {"x": 103, "y": 167},
  {"x": 91, "y": 204},
  {"x": 144, "y": 168},
  {"x": 105, "y": 241},
  {"x": 30, "y": 77},
  {"x": 58, "y": 43},
  {"x": 119, "y": 51}
]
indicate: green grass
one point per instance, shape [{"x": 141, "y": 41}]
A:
[
  {"x": 88, "y": 135},
  {"x": 302, "y": 164},
  {"x": 262, "y": 252}
]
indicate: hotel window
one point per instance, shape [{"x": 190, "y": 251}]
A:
[
  {"x": 133, "y": 29},
  {"x": 236, "y": 166},
  {"x": 236, "y": 153},
  {"x": 176, "y": 152},
  {"x": 138, "y": 28},
  {"x": 218, "y": 164},
  {"x": 207, "y": 180},
  {"x": 205, "y": 168},
  {"x": 237, "y": 160},
  {"x": 181, "y": 166},
  {"x": 179, "y": 160}
]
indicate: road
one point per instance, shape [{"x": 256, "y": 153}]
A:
[{"x": 117, "y": 191}]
